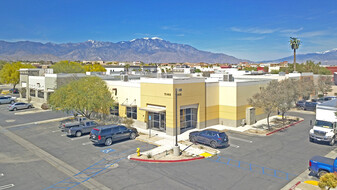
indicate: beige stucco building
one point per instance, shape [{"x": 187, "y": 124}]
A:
[{"x": 201, "y": 102}]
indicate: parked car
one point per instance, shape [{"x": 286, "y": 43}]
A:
[
  {"x": 108, "y": 134},
  {"x": 14, "y": 91},
  {"x": 300, "y": 104},
  {"x": 19, "y": 106},
  {"x": 7, "y": 100},
  {"x": 310, "y": 106},
  {"x": 326, "y": 98},
  {"x": 70, "y": 122},
  {"x": 320, "y": 165},
  {"x": 78, "y": 130},
  {"x": 210, "y": 137}
]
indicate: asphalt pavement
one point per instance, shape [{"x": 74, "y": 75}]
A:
[{"x": 45, "y": 158}]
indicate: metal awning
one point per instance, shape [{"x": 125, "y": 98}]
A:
[
  {"x": 127, "y": 104},
  {"x": 154, "y": 109}
]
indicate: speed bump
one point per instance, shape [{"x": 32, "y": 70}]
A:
[{"x": 206, "y": 154}]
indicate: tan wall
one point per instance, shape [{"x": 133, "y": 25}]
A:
[{"x": 164, "y": 95}]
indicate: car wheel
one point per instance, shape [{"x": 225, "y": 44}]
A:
[
  {"x": 332, "y": 142},
  {"x": 78, "y": 133},
  {"x": 108, "y": 142},
  {"x": 14, "y": 109},
  {"x": 213, "y": 144},
  {"x": 321, "y": 173},
  {"x": 12, "y": 102},
  {"x": 311, "y": 139},
  {"x": 29, "y": 107},
  {"x": 133, "y": 136},
  {"x": 193, "y": 140}
]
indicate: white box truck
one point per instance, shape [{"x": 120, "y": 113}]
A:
[{"x": 324, "y": 129}]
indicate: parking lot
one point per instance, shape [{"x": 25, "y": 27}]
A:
[{"x": 36, "y": 155}]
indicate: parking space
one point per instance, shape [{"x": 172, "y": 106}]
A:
[{"x": 53, "y": 160}]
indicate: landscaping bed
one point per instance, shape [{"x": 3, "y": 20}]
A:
[
  {"x": 276, "y": 124},
  {"x": 164, "y": 156}
]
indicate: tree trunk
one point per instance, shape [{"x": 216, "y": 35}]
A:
[
  {"x": 268, "y": 121},
  {"x": 283, "y": 118},
  {"x": 294, "y": 59}
]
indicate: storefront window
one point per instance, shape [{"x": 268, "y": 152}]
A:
[
  {"x": 131, "y": 112},
  {"x": 115, "y": 110},
  {"x": 40, "y": 94},
  {"x": 188, "y": 118},
  {"x": 32, "y": 92}
]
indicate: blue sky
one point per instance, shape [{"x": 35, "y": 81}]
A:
[{"x": 253, "y": 29}]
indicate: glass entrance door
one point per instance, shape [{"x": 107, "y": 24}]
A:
[{"x": 157, "y": 121}]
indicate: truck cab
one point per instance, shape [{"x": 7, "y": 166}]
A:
[{"x": 323, "y": 131}]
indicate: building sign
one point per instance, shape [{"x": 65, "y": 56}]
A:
[{"x": 167, "y": 94}]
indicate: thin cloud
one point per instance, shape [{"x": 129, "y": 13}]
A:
[
  {"x": 252, "y": 38},
  {"x": 313, "y": 34},
  {"x": 254, "y": 30},
  {"x": 292, "y": 30}
]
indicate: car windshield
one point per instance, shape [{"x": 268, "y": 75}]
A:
[{"x": 325, "y": 124}]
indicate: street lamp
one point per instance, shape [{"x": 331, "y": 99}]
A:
[{"x": 176, "y": 150}]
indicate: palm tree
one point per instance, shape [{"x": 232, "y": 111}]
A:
[{"x": 294, "y": 44}]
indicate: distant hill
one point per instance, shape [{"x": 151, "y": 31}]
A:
[
  {"x": 148, "y": 50},
  {"x": 326, "y": 58}
]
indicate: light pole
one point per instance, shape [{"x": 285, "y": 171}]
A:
[{"x": 176, "y": 150}]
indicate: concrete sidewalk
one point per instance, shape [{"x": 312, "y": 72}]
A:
[{"x": 297, "y": 183}]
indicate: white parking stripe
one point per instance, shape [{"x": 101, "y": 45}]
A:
[
  {"x": 1, "y": 174},
  {"x": 86, "y": 143},
  {"x": 77, "y": 138},
  {"x": 6, "y": 186},
  {"x": 56, "y": 131},
  {"x": 38, "y": 122},
  {"x": 30, "y": 112},
  {"x": 239, "y": 139},
  {"x": 234, "y": 146},
  {"x": 64, "y": 134}
]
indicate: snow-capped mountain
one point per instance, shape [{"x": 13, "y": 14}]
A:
[
  {"x": 155, "y": 50},
  {"x": 328, "y": 57}
]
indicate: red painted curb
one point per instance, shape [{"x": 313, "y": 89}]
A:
[
  {"x": 284, "y": 127},
  {"x": 294, "y": 186},
  {"x": 167, "y": 161}
]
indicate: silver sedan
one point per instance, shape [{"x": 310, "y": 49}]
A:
[{"x": 19, "y": 106}]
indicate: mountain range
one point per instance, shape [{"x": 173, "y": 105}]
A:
[
  {"x": 148, "y": 50},
  {"x": 326, "y": 58}
]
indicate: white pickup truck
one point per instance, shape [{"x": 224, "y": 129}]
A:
[{"x": 324, "y": 129}]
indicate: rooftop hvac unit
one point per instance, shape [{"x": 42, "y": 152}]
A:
[
  {"x": 228, "y": 77},
  {"x": 282, "y": 73}
]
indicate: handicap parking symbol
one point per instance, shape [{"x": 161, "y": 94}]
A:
[{"x": 108, "y": 150}]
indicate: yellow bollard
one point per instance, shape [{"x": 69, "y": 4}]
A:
[{"x": 138, "y": 152}]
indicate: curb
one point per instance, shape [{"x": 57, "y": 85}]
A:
[
  {"x": 167, "y": 161},
  {"x": 294, "y": 186},
  {"x": 284, "y": 127}
]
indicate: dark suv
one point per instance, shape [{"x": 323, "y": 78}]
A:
[
  {"x": 111, "y": 133},
  {"x": 211, "y": 137}
]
